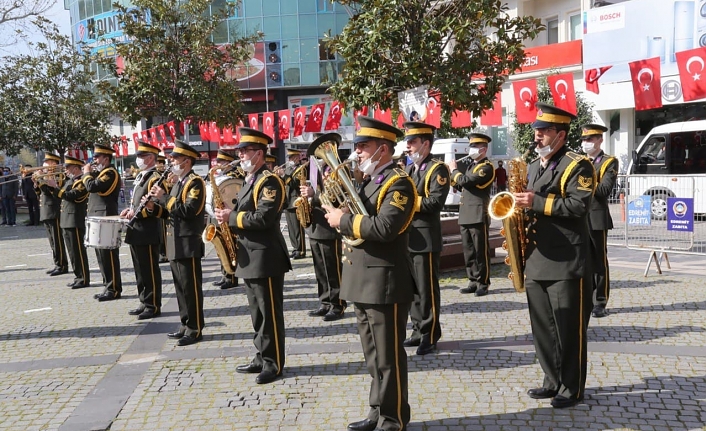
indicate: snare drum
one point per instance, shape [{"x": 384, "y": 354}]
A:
[
  {"x": 228, "y": 188},
  {"x": 104, "y": 232}
]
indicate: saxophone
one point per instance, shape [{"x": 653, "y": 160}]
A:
[
  {"x": 502, "y": 207},
  {"x": 301, "y": 204},
  {"x": 220, "y": 236}
]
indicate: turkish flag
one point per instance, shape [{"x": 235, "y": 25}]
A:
[
  {"x": 203, "y": 131},
  {"x": 691, "y": 68},
  {"x": 254, "y": 121},
  {"x": 400, "y": 120},
  {"x": 144, "y": 136},
  {"x": 591, "y": 77},
  {"x": 562, "y": 88},
  {"x": 172, "y": 130},
  {"x": 237, "y": 131},
  {"x": 525, "y": 100},
  {"x": 268, "y": 124},
  {"x": 228, "y": 137},
  {"x": 283, "y": 122},
  {"x": 215, "y": 133},
  {"x": 333, "y": 122},
  {"x": 363, "y": 111},
  {"x": 116, "y": 148},
  {"x": 433, "y": 111},
  {"x": 494, "y": 115},
  {"x": 316, "y": 118},
  {"x": 154, "y": 137},
  {"x": 162, "y": 133},
  {"x": 184, "y": 124},
  {"x": 384, "y": 115},
  {"x": 299, "y": 117},
  {"x": 646, "y": 83},
  {"x": 461, "y": 119},
  {"x": 135, "y": 138},
  {"x": 123, "y": 145}
]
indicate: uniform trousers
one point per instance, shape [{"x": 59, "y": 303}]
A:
[
  {"x": 77, "y": 253},
  {"x": 163, "y": 240},
  {"x": 476, "y": 253},
  {"x": 145, "y": 259},
  {"x": 266, "y": 302},
  {"x": 296, "y": 232},
  {"x": 601, "y": 277},
  {"x": 109, "y": 264},
  {"x": 426, "y": 307},
  {"x": 557, "y": 310},
  {"x": 187, "y": 276},
  {"x": 33, "y": 208},
  {"x": 326, "y": 254},
  {"x": 56, "y": 242},
  {"x": 382, "y": 332}
]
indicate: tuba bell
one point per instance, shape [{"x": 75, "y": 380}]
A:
[{"x": 338, "y": 189}]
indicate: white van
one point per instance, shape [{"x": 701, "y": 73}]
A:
[
  {"x": 446, "y": 150},
  {"x": 665, "y": 163}
]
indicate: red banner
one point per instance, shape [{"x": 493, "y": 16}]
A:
[
  {"x": 691, "y": 65},
  {"x": 316, "y": 118},
  {"x": 494, "y": 115},
  {"x": 283, "y": 121},
  {"x": 214, "y": 133},
  {"x": 525, "y": 100},
  {"x": 268, "y": 124},
  {"x": 591, "y": 77},
  {"x": 433, "y": 116},
  {"x": 461, "y": 119},
  {"x": 253, "y": 121},
  {"x": 135, "y": 138},
  {"x": 203, "y": 131},
  {"x": 228, "y": 137},
  {"x": 646, "y": 83},
  {"x": 356, "y": 114},
  {"x": 382, "y": 115},
  {"x": 299, "y": 117},
  {"x": 562, "y": 89},
  {"x": 172, "y": 130},
  {"x": 333, "y": 122}
]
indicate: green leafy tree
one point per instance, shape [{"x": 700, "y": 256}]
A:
[
  {"x": 47, "y": 97},
  {"x": 523, "y": 134},
  {"x": 172, "y": 66},
  {"x": 464, "y": 49}
]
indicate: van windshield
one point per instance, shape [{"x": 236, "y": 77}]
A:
[{"x": 677, "y": 153}]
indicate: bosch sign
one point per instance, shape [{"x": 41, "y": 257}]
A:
[{"x": 610, "y": 16}]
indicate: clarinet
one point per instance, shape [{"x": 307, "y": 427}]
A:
[{"x": 160, "y": 181}]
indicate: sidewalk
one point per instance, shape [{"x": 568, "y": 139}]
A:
[{"x": 70, "y": 363}]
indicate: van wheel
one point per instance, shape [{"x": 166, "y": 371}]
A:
[{"x": 659, "y": 206}]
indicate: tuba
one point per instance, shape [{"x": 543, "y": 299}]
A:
[
  {"x": 220, "y": 236},
  {"x": 301, "y": 204},
  {"x": 502, "y": 207},
  {"x": 338, "y": 189}
]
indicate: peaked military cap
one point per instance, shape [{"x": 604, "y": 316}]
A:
[
  {"x": 412, "y": 129},
  {"x": 588, "y": 130},
  {"x": 161, "y": 158},
  {"x": 68, "y": 160},
  {"x": 52, "y": 157},
  {"x": 144, "y": 148},
  {"x": 478, "y": 139},
  {"x": 549, "y": 115},
  {"x": 184, "y": 149},
  {"x": 250, "y": 136},
  {"x": 103, "y": 149},
  {"x": 269, "y": 158},
  {"x": 223, "y": 155},
  {"x": 293, "y": 152},
  {"x": 371, "y": 128}
]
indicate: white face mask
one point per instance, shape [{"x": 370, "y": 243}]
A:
[
  {"x": 368, "y": 166},
  {"x": 354, "y": 160},
  {"x": 474, "y": 152},
  {"x": 178, "y": 170},
  {"x": 416, "y": 157},
  {"x": 248, "y": 165},
  {"x": 587, "y": 147},
  {"x": 141, "y": 165},
  {"x": 545, "y": 151}
]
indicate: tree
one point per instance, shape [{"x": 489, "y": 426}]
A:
[
  {"x": 464, "y": 49},
  {"x": 47, "y": 98},
  {"x": 172, "y": 67},
  {"x": 14, "y": 17},
  {"x": 523, "y": 134}
]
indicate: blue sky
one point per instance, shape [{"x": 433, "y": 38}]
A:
[{"x": 56, "y": 14}]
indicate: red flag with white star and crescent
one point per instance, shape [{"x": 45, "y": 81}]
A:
[
  {"x": 692, "y": 65},
  {"x": 646, "y": 83},
  {"x": 562, "y": 89},
  {"x": 525, "y": 100}
]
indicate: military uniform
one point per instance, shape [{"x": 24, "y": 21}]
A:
[
  {"x": 262, "y": 260},
  {"x": 473, "y": 218},
  {"x": 104, "y": 189},
  {"x": 557, "y": 269},
  {"x": 49, "y": 212},
  {"x": 144, "y": 239},
  {"x": 600, "y": 221},
  {"x": 74, "y": 198},
  {"x": 227, "y": 281},
  {"x": 432, "y": 182},
  {"x": 377, "y": 277},
  {"x": 296, "y": 230},
  {"x": 161, "y": 161}
]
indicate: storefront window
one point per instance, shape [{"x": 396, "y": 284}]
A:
[
  {"x": 290, "y": 51},
  {"x": 575, "y": 27},
  {"x": 290, "y": 27},
  {"x": 252, "y": 7},
  {"x": 307, "y": 26},
  {"x": 552, "y": 31},
  {"x": 271, "y": 28},
  {"x": 310, "y": 74}
]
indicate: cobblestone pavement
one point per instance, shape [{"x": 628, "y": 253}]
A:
[{"x": 70, "y": 363}]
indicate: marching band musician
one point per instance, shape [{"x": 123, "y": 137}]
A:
[
  {"x": 326, "y": 246},
  {"x": 223, "y": 159},
  {"x": 49, "y": 210},
  {"x": 431, "y": 178},
  {"x": 144, "y": 236},
  {"x": 473, "y": 213},
  {"x": 291, "y": 180},
  {"x": 104, "y": 189},
  {"x": 270, "y": 162},
  {"x": 161, "y": 166},
  {"x": 377, "y": 274},
  {"x": 184, "y": 208},
  {"x": 262, "y": 253},
  {"x": 74, "y": 199},
  {"x": 557, "y": 271}
]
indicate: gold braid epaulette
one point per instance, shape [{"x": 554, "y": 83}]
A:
[{"x": 398, "y": 174}]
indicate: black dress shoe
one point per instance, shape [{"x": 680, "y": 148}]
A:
[
  {"x": 49, "y": 271},
  {"x": 58, "y": 271},
  {"x": 137, "y": 311},
  {"x": 482, "y": 291},
  {"x": 248, "y": 368},
  {"x": 148, "y": 314},
  {"x": 599, "y": 311},
  {"x": 108, "y": 296},
  {"x": 364, "y": 425},
  {"x": 228, "y": 285},
  {"x": 176, "y": 335},
  {"x": 188, "y": 340},
  {"x": 319, "y": 312},
  {"x": 97, "y": 295},
  {"x": 471, "y": 288},
  {"x": 265, "y": 377},
  {"x": 541, "y": 393},
  {"x": 70, "y": 284},
  {"x": 425, "y": 349},
  {"x": 334, "y": 314},
  {"x": 297, "y": 255},
  {"x": 79, "y": 285},
  {"x": 163, "y": 260},
  {"x": 219, "y": 282},
  {"x": 412, "y": 342},
  {"x": 561, "y": 402}
]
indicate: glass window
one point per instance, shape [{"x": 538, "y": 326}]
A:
[
  {"x": 290, "y": 27},
  {"x": 98, "y": 7},
  {"x": 107, "y": 6},
  {"x": 499, "y": 136},
  {"x": 575, "y": 27},
  {"x": 310, "y": 74},
  {"x": 271, "y": 27},
  {"x": 326, "y": 22},
  {"x": 552, "y": 31},
  {"x": 220, "y": 35},
  {"x": 236, "y": 29},
  {"x": 324, "y": 6},
  {"x": 307, "y": 26},
  {"x": 341, "y": 22},
  {"x": 287, "y": 7},
  {"x": 252, "y": 8},
  {"x": 253, "y": 24},
  {"x": 290, "y": 51},
  {"x": 324, "y": 52},
  {"x": 217, "y": 6},
  {"x": 89, "y": 9},
  {"x": 272, "y": 8},
  {"x": 291, "y": 74},
  {"x": 306, "y": 6},
  {"x": 309, "y": 50},
  {"x": 327, "y": 72}
]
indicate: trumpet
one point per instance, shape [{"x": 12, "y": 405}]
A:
[{"x": 233, "y": 166}]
